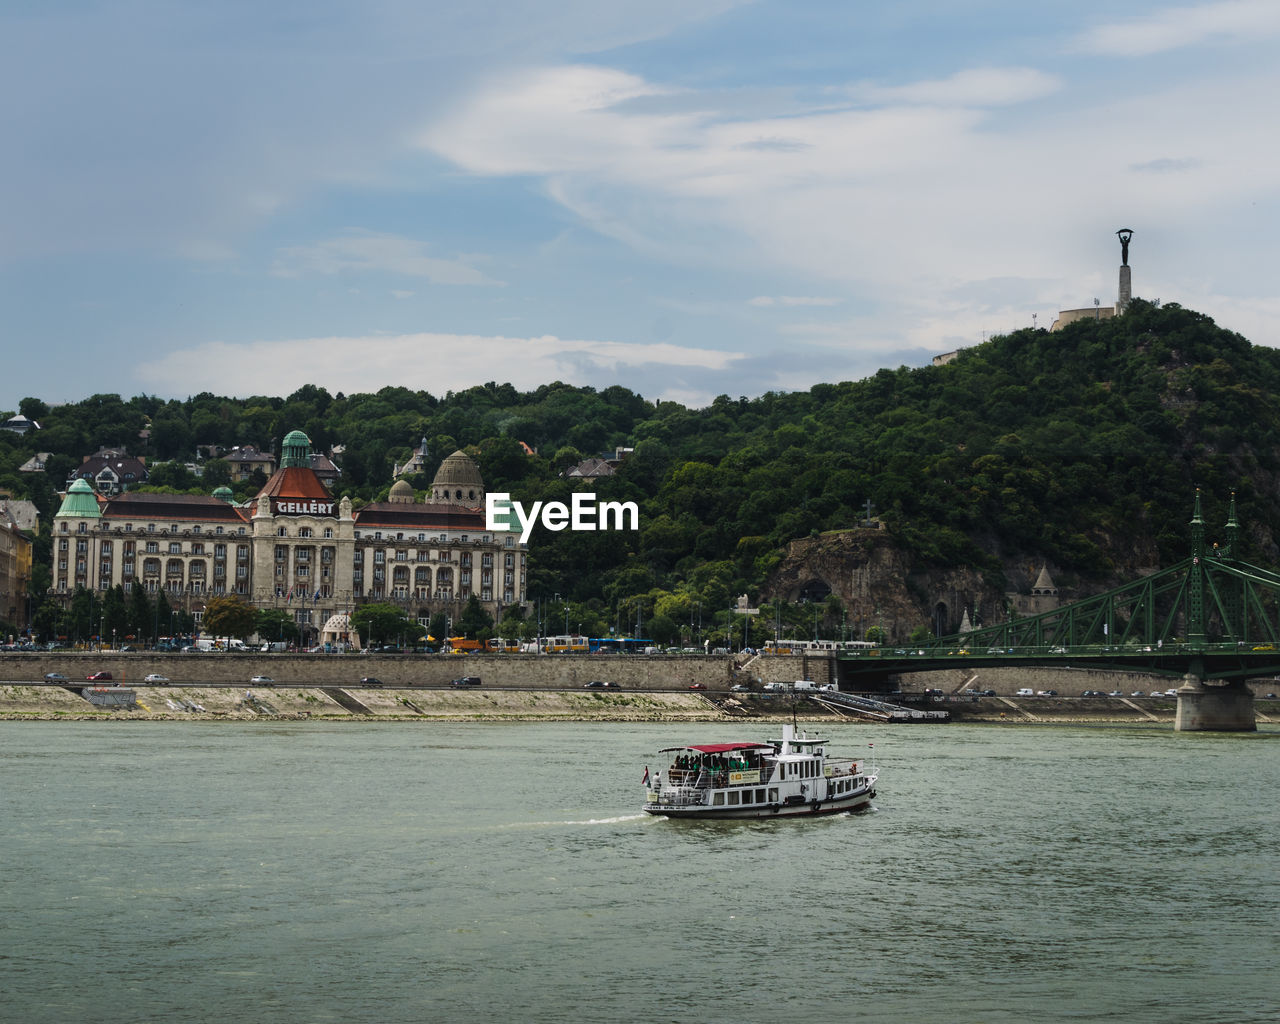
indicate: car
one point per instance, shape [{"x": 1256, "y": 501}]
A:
[
  {"x": 1046, "y": 693},
  {"x": 466, "y": 681},
  {"x": 1137, "y": 693},
  {"x": 1115, "y": 693},
  {"x": 156, "y": 677},
  {"x": 98, "y": 677},
  {"x": 370, "y": 681},
  {"x": 54, "y": 677},
  {"x": 262, "y": 681},
  {"x": 596, "y": 684},
  {"x": 697, "y": 686},
  {"x": 740, "y": 688},
  {"x": 1025, "y": 692}
]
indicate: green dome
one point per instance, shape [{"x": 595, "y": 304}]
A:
[
  {"x": 224, "y": 493},
  {"x": 80, "y": 502},
  {"x": 296, "y": 450}
]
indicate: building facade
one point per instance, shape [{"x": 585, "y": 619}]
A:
[{"x": 296, "y": 547}]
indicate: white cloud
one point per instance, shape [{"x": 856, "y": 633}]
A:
[
  {"x": 792, "y": 300},
  {"x": 1178, "y": 27},
  {"x": 970, "y": 87},
  {"x": 433, "y": 362},
  {"x": 363, "y": 251}
]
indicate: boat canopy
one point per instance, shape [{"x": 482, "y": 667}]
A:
[{"x": 720, "y": 748}]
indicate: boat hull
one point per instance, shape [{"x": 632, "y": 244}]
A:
[{"x": 851, "y": 802}]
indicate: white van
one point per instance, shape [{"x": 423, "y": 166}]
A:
[
  {"x": 777, "y": 687},
  {"x": 1026, "y": 691}
]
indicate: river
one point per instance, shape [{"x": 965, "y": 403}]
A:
[{"x": 403, "y": 872}]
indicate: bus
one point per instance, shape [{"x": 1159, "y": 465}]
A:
[{"x": 500, "y": 645}]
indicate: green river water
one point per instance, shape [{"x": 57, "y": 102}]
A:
[{"x": 398, "y": 872}]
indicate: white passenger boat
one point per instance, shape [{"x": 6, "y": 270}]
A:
[{"x": 779, "y": 778}]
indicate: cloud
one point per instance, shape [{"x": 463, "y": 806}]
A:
[
  {"x": 435, "y": 362},
  {"x": 792, "y": 300},
  {"x": 365, "y": 252},
  {"x": 970, "y": 87},
  {"x": 1180, "y": 27}
]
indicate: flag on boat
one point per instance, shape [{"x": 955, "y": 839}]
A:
[{"x": 645, "y": 780}]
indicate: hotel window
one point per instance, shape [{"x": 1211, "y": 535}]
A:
[
  {"x": 328, "y": 532},
  {"x": 304, "y": 531},
  {"x": 175, "y": 549}
]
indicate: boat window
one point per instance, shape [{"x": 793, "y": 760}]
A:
[
  {"x": 773, "y": 796},
  {"x": 759, "y": 796},
  {"x": 733, "y": 796},
  {"x": 719, "y": 800}
]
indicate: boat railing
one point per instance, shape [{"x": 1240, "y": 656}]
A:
[{"x": 718, "y": 778}]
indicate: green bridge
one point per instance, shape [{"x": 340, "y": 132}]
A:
[{"x": 1211, "y": 621}]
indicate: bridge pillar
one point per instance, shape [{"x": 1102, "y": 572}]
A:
[{"x": 1225, "y": 708}]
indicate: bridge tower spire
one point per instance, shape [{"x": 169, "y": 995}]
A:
[
  {"x": 1232, "y": 529},
  {"x": 1195, "y": 582}
]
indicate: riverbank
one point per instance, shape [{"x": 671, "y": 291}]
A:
[{"x": 333, "y": 704}]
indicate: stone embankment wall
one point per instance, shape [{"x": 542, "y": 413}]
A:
[
  {"x": 634, "y": 672},
  {"x": 639, "y": 672}
]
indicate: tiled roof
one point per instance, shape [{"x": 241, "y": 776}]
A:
[
  {"x": 419, "y": 517},
  {"x": 205, "y": 508},
  {"x": 296, "y": 482}
]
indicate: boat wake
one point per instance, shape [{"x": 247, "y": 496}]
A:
[{"x": 620, "y": 819}]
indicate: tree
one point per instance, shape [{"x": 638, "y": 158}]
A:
[
  {"x": 384, "y": 623},
  {"x": 474, "y": 619},
  {"x": 276, "y": 624},
  {"x": 228, "y": 615},
  {"x": 217, "y": 473},
  {"x": 141, "y": 612},
  {"x": 663, "y": 629},
  {"x": 438, "y": 629}
]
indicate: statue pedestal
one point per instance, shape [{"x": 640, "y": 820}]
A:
[{"x": 1226, "y": 708}]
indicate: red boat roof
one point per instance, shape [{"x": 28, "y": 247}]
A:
[{"x": 721, "y": 748}]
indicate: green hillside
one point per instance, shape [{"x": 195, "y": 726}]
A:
[{"x": 1080, "y": 450}]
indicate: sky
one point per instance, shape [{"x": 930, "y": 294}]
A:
[{"x": 685, "y": 197}]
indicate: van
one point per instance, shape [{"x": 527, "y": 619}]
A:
[
  {"x": 804, "y": 684},
  {"x": 274, "y": 646},
  {"x": 1026, "y": 691},
  {"x": 777, "y": 687}
]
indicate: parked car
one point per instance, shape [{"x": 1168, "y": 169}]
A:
[
  {"x": 156, "y": 677},
  {"x": 1137, "y": 693},
  {"x": 1115, "y": 693},
  {"x": 54, "y": 677},
  {"x": 98, "y": 677},
  {"x": 740, "y": 688},
  {"x": 1046, "y": 693},
  {"x": 466, "y": 681},
  {"x": 697, "y": 686},
  {"x": 262, "y": 681},
  {"x": 370, "y": 681}
]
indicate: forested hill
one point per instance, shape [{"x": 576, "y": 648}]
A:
[{"x": 1080, "y": 450}]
